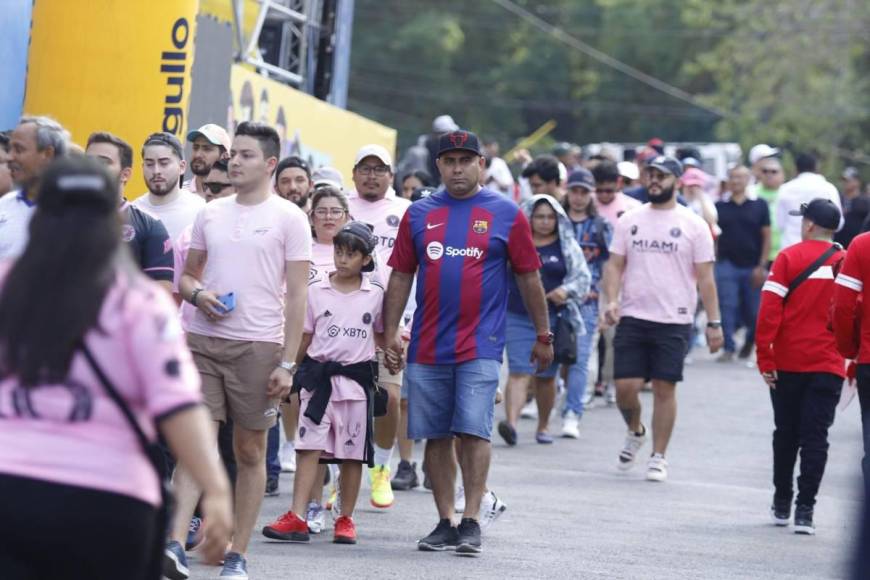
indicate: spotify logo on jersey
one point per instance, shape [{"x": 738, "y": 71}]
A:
[{"x": 435, "y": 250}]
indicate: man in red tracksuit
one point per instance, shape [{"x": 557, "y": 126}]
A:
[
  {"x": 851, "y": 321},
  {"x": 798, "y": 358}
]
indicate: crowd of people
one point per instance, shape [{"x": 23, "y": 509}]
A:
[{"x": 176, "y": 339}]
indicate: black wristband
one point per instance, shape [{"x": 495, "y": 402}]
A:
[{"x": 193, "y": 295}]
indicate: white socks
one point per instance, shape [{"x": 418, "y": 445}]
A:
[{"x": 383, "y": 456}]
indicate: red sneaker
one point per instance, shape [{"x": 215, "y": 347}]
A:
[
  {"x": 345, "y": 531},
  {"x": 288, "y": 527}
]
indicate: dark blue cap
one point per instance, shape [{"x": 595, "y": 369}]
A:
[
  {"x": 821, "y": 211},
  {"x": 581, "y": 177}
]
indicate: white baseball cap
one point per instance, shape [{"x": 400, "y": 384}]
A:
[
  {"x": 374, "y": 151},
  {"x": 327, "y": 176},
  {"x": 761, "y": 151},
  {"x": 444, "y": 124},
  {"x": 628, "y": 169},
  {"x": 214, "y": 134}
]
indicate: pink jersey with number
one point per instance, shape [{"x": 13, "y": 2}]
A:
[
  {"x": 343, "y": 328},
  {"x": 72, "y": 433}
]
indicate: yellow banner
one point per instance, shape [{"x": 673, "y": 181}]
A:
[
  {"x": 109, "y": 65},
  {"x": 317, "y": 131}
]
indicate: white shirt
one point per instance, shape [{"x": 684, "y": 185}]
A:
[
  {"x": 502, "y": 178},
  {"x": 15, "y": 213},
  {"x": 802, "y": 189},
  {"x": 176, "y": 215}
]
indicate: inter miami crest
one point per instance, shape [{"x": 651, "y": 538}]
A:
[{"x": 393, "y": 221}]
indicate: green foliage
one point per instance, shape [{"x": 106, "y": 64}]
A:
[{"x": 790, "y": 72}]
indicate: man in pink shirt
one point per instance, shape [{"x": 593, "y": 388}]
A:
[
  {"x": 662, "y": 253},
  {"x": 245, "y": 250},
  {"x": 609, "y": 200},
  {"x": 375, "y": 203}
]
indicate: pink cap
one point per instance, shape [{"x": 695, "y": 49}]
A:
[{"x": 693, "y": 176}]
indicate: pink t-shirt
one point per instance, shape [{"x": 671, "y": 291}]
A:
[
  {"x": 248, "y": 247},
  {"x": 661, "y": 248},
  {"x": 322, "y": 260},
  {"x": 179, "y": 251},
  {"x": 343, "y": 326},
  {"x": 613, "y": 211},
  {"x": 385, "y": 215},
  {"x": 140, "y": 347}
]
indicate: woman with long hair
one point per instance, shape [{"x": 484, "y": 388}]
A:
[
  {"x": 565, "y": 278},
  {"x": 92, "y": 365}
]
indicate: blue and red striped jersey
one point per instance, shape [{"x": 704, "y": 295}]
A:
[{"x": 463, "y": 251}]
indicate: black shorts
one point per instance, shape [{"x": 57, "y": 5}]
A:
[{"x": 650, "y": 350}]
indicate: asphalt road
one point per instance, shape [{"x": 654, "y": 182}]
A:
[{"x": 571, "y": 514}]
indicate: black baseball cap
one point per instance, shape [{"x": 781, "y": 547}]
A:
[
  {"x": 164, "y": 138},
  {"x": 365, "y": 233},
  {"x": 421, "y": 193},
  {"x": 822, "y": 212},
  {"x": 581, "y": 177},
  {"x": 459, "y": 140},
  {"x": 667, "y": 164}
]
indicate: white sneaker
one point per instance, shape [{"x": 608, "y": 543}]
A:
[
  {"x": 610, "y": 394},
  {"x": 657, "y": 468},
  {"x": 288, "y": 457},
  {"x": 459, "y": 504},
  {"x": 633, "y": 443},
  {"x": 530, "y": 410},
  {"x": 315, "y": 517},
  {"x": 589, "y": 397},
  {"x": 490, "y": 509},
  {"x": 570, "y": 427}
]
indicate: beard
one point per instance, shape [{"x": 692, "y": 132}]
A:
[
  {"x": 300, "y": 199},
  {"x": 664, "y": 197},
  {"x": 161, "y": 189},
  {"x": 200, "y": 168}
]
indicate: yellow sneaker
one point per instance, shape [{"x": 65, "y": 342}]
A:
[{"x": 382, "y": 491}]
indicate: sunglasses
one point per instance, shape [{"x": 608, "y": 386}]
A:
[{"x": 216, "y": 186}]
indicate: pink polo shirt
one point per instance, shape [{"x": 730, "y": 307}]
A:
[
  {"x": 248, "y": 249},
  {"x": 343, "y": 327},
  {"x": 385, "y": 215},
  {"x": 73, "y": 433}
]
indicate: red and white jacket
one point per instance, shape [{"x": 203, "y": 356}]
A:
[
  {"x": 851, "y": 322},
  {"x": 793, "y": 335}
]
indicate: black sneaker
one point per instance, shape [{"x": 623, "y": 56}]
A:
[
  {"x": 780, "y": 511},
  {"x": 469, "y": 538},
  {"x": 803, "y": 520},
  {"x": 508, "y": 433},
  {"x": 745, "y": 351},
  {"x": 406, "y": 476},
  {"x": 443, "y": 537},
  {"x": 272, "y": 486}
]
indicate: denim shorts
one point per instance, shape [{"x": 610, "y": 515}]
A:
[
  {"x": 452, "y": 399},
  {"x": 520, "y": 338}
]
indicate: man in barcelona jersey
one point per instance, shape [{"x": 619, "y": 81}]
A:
[{"x": 462, "y": 243}]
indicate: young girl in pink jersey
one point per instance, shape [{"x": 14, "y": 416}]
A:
[{"x": 336, "y": 382}]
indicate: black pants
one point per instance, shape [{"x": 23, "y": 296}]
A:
[
  {"x": 803, "y": 411},
  {"x": 50, "y": 531},
  {"x": 864, "y": 398}
]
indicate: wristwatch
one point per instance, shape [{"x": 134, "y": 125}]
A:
[
  {"x": 545, "y": 338},
  {"x": 290, "y": 367},
  {"x": 714, "y": 324}
]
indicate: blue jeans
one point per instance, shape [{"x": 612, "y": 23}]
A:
[
  {"x": 738, "y": 301},
  {"x": 578, "y": 373},
  {"x": 450, "y": 399},
  {"x": 273, "y": 444}
]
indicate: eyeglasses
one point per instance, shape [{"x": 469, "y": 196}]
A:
[
  {"x": 323, "y": 212},
  {"x": 217, "y": 186},
  {"x": 379, "y": 170}
]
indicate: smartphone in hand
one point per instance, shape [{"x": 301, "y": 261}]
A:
[{"x": 228, "y": 300}]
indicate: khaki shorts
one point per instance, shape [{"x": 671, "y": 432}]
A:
[
  {"x": 384, "y": 375},
  {"x": 235, "y": 375}
]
